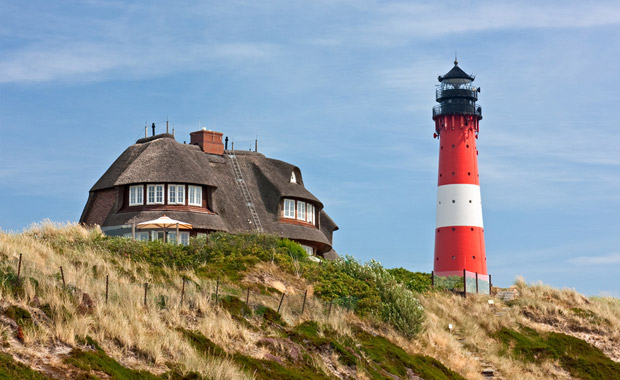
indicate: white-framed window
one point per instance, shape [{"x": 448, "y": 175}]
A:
[
  {"x": 308, "y": 249},
  {"x": 142, "y": 236},
  {"x": 293, "y": 177},
  {"x": 176, "y": 194},
  {"x": 184, "y": 237},
  {"x": 289, "y": 208},
  {"x": 136, "y": 195},
  {"x": 194, "y": 195},
  {"x": 310, "y": 213},
  {"x": 155, "y": 194},
  {"x": 301, "y": 210}
]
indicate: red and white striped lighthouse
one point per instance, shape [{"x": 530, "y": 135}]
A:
[{"x": 459, "y": 233}]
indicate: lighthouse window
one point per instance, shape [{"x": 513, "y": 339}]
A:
[
  {"x": 453, "y": 145},
  {"x": 473, "y": 257},
  {"x": 468, "y": 173},
  {"x": 453, "y": 173},
  {"x": 470, "y": 201},
  {"x": 453, "y": 201},
  {"x": 467, "y": 146},
  {"x": 453, "y": 257},
  {"x": 453, "y": 229}
]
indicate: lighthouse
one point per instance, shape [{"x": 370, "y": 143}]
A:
[{"x": 459, "y": 232}]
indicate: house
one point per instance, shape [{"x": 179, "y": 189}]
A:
[{"x": 209, "y": 187}]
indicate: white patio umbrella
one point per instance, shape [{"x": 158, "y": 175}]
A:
[{"x": 164, "y": 223}]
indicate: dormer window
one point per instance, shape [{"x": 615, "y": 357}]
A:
[
  {"x": 136, "y": 194},
  {"x": 298, "y": 210},
  {"x": 194, "y": 195},
  {"x": 155, "y": 195},
  {"x": 176, "y": 194},
  {"x": 293, "y": 177},
  {"x": 289, "y": 208},
  {"x": 301, "y": 210}
]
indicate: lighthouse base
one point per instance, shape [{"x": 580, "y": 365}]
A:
[{"x": 458, "y": 248}]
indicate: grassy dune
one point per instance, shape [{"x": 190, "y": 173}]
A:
[{"x": 359, "y": 321}]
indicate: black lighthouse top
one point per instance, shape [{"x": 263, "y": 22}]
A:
[
  {"x": 456, "y": 95},
  {"x": 456, "y": 74}
]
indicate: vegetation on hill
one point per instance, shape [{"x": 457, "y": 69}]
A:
[{"x": 256, "y": 307}]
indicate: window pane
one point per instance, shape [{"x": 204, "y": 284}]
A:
[
  {"x": 289, "y": 208},
  {"x": 172, "y": 194},
  {"x": 132, "y": 196},
  {"x": 301, "y": 210},
  {"x": 151, "y": 195},
  {"x": 185, "y": 238},
  {"x": 181, "y": 194},
  {"x": 139, "y": 190},
  {"x": 160, "y": 193}
]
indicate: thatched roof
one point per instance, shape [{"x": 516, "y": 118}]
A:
[{"x": 160, "y": 159}]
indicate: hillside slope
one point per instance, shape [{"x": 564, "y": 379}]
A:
[{"x": 255, "y": 307}]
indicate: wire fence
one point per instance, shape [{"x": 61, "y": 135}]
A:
[{"x": 76, "y": 277}]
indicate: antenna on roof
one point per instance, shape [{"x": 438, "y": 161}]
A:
[
  {"x": 167, "y": 125},
  {"x": 146, "y": 130},
  {"x": 456, "y": 61},
  {"x": 153, "y": 126},
  {"x": 256, "y": 144}
]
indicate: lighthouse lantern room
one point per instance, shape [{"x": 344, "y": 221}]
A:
[{"x": 459, "y": 232}]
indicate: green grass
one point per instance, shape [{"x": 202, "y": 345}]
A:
[
  {"x": 12, "y": 370},
  {"x": 97, "y": 360},
  {"x": 576, "y": 356},
  {"x": 261, "y": 369},
  {"x": 21, "y": 316},
  {"x": 386, "y": 358}
]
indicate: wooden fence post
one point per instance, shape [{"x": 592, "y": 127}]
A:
[
  {"x": 433, "y": 279},
  {"x": 107, "y": 278},
  {"x": 146, "y": 286},
  {"x": 280, "y": 305},
  {"x": 464, "y": 283},
  {"x": 329, "y": 311},
  {"x": 183, "y": 291},
  {"x": 247, "y": 298},
  {"x": 477, "y": 283},
  {"x": 490, "y": 286},
  {"x": 19, "y": 267},
  {"x": 217, "y": 289},
  {"x": 303, "y": 306},
  {"x": 62, "y": 275}
]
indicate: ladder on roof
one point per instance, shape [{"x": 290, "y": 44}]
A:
[{"x": 245, "y": 191}]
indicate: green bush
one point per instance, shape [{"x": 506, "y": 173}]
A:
[
  {"x": 369, "y": 289},
  {"x": 415, "y": 281}
]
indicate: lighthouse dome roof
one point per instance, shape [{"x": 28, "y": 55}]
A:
[{"x": 456, "y": 75}]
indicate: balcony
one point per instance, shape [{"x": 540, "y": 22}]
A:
[
  {"x": 466, "y": 92},
  {"x": 457, "y": 108}
]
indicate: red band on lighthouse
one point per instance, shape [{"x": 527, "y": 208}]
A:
[{"x": 459, "y": 231}]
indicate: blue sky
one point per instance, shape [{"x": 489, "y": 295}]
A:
[{"x": 343, "y": 89}]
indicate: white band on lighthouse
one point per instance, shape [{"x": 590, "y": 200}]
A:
[{"x": 459, "y": 205}]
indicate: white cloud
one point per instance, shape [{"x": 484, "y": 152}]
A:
[{"x": 612, "y": 258}]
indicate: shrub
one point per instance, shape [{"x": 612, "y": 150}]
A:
[{"x": 370, "y": 289}]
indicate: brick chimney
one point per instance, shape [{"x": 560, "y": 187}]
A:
[{"x": 209, "y": 141}]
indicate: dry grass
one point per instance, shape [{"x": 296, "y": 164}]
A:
[
  {"x": 137, "y": 336},
  {"x": 147, "y": 338}
]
